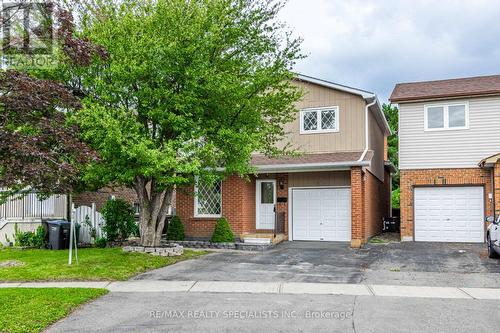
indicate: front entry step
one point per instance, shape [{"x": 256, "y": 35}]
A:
[
  {"x": 262, "y": 238},
  {"x": 256, "y": 241}
]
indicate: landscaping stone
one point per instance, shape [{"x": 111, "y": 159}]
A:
[
  {"x": 170, "y": 250},
  {"x": 198, "y": 244}
]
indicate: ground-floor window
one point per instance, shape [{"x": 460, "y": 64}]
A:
[{"x": 208, "y": 199}]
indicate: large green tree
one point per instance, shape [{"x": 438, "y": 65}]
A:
[
  {"x": 187, "y": 89},
  {"x": 391, "y": 113}
]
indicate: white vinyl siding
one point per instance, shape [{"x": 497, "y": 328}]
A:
[{"x": 421, "y": 149}]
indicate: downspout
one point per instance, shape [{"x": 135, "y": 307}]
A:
[
  {"x": 367, "y": 109},
  {"x": 492, "y": 181}
]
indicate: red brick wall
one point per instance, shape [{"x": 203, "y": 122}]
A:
[
  {"x": 377, "y": 196},
  {"x": 101, "y": 196},
  {"x": 369, "y": 204},
  {"x": 283, "y": 207},
  {"x": 411, "y": 178},
  {"x": 357, "y": 207},
  {"x": 496, "y": 192},
  {"x": 238, "y": 206}
]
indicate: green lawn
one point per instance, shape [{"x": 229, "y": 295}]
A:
[
  {"x": 94, "y": 264},
  {"x": 31, "y": 309}
]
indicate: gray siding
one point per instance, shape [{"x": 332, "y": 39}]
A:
[
  {"x": 376, "y": 143},
  {"x": 419, "y": 149}
]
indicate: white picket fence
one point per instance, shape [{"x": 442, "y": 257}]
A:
[{"x": 95, "y": 219}]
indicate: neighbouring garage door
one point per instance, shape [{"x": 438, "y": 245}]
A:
[
  {"x": 321, "y": 214},
  {"x": 449, "y": 214}
]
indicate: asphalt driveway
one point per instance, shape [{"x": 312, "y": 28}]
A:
[{"x": 408, "y": 263}]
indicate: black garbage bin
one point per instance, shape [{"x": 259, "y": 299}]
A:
[
  {"x": 391, "y": 224},
  {"x": 59, "y": 234}
]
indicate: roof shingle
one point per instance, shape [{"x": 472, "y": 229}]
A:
[
  {"x": 471, "y": 86},
  {"x": 338, "y": 157}
]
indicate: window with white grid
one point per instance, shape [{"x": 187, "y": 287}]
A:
[
  {"x": 208, "y": 199},
  {"x": 319, "y": 120}
]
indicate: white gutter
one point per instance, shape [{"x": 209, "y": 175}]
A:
[
  {"x": 310, "y": 166},
  {"x": 367, "y": 109}
]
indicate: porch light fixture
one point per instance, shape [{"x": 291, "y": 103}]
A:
[{"x": 281, "y": 183}]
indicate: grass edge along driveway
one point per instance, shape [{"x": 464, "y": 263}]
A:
[
  {"x": 33, "y": 309},
  {"x": 109, "y": 264}
]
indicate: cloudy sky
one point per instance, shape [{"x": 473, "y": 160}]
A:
[{"x": 373, "y": 44}]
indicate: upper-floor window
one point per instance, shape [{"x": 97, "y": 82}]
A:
[
  {"x": 446, "y": 116},
  {"x": 319, "y": 120},
  {"x": 208, "y": 199}
]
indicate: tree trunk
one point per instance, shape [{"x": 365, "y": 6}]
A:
[{"x": 154, "y": 206}]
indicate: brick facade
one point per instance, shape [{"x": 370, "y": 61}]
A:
[
  {"x": 377, "y": 204},
  {"x": 496, "y": 191},
  {"x": 101, "y": 196},
  {"x": 238, "y": 206},
  {"x": 238, "y": 202},
  {"x": 433, "y": 177},
  {"x": 369, "y": 203},
  {"x": 357, "y": 207}
]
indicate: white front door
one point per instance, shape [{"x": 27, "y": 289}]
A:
[
  {"x": 321, "y": 214},
  {"x": 265, "y": 203},
  {"x": 449, "y": 214}
]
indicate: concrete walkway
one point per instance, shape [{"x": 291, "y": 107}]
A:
[{"x": 273, "y": 288}]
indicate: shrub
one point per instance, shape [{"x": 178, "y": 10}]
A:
[
  {"x": 100, "y": 242},
  {"x": 222, "y": 232},
  {"x": 175, "y": 229},
  {"x": 135, "y": 230},
  {"x": 118, "y": 220},
  {"x": 29, "y": 238}
]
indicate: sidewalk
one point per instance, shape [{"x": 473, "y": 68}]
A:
[{"x": 273, "y": 288}]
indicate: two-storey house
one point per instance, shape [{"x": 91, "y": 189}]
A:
[
  {"x": 337, "y": 190},
  {"x": 449, "y": 140}
]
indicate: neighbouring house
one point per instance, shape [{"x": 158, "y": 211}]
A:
[
  {"x": 449, "y": 145},
  {"x": 337, "y": 190},
  {"x": 28, "y": 212}
]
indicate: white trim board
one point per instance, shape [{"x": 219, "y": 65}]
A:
[{"x": 258, "y": 183}]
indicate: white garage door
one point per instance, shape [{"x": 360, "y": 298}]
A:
[
  {"x": 321, "y": 214},
  {"x": 449, "y": 214}
]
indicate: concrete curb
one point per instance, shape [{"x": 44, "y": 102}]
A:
[{"x": 273, "y": 288}]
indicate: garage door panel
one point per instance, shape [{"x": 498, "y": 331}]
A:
[
  {"x": 321, "y": 214},
  {"x": 449, "y": 214}
]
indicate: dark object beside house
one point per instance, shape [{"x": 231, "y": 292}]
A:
[
  {"x": 58, "y": 234},
  {"x": 391, "y": 224}
]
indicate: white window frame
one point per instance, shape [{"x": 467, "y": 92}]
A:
[
  {"x": 334, "y": 108},
  {"x": 446, "y": 119},
  {"x": 196, "y": 202}
]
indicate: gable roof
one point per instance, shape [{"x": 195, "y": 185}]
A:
[
  {"x": 369, "y": 97},
  {"x": 363, "y": 93},
  {"x": 470, "y": 86}
]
